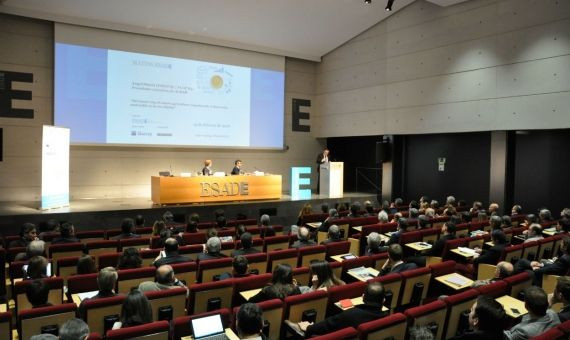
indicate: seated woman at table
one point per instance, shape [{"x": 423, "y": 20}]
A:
[
  {"x": 322, "y": 277},
  {"x": 136, "y": 310},
  {"x": 282, "y": 285}
]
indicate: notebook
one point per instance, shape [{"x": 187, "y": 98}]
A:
[{"x": 207, "y": 326}]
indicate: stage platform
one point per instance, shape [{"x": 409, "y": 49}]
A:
[{"x": 88, "y": 214}]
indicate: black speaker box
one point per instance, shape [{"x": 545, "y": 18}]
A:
[{"x": 382, "y": 151}]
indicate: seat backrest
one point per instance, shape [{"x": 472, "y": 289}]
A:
[
  {"x": 57, "y": 251},
  {"x": 494, "y": 290},
  {"x": 452, "y": 244},
  {"x": 457, "y": 304},
  {"x": 97, "y": 309},
  {"x": 392, "y": 283},
  {"x": 185, "y": 272},
  {"x": 552, "y": 334},
  {"x": 310, "y": 254},
  {"x": 431, "y": 313},
  {"x": 175, "y": 298},
  {"x": 337, "y": 248},
  {"x": 67, "y": 266},
  {"x": 430, "y": 235},
  {"x": 275, "y": 257},
  {"x": 476, "y": 241},
  {"x": 295, "y": 305},
  {"x": 411, "y": 277},
  {"x": 512, "y": 253},
  {"x": 363, "y": 261},
  {"x": 257, "y": 262},
  {"x": 208, "y": 269},
  {"x": 518, "y": 283},
  {"x": 379, "y": 260},
  {"x": 275, "y": 243},
  {"x": 202, "y": 292},
  {"x": 530, "y": 250},
  {"x": 272, "y": 314},
  {"x": 409, "y": 237},
  {"x": 138, "y": 243},
  {"x": 129, "y": 278},
  {"x": 90, "y": 235},
  {"x": 148, "y": 256},
  {"x": 442, "y": 268},
  {"x": 158, "y": 330},
  {"x": 31, "y": 321},
  {"x": 389, "y": 327},
  {"x": 227, "y": 248},
  {"x": 301, "y": 275},
  {"x": 194, "y": 238},
  {"x": 6, "y": 325},
  {"x": 341, "y": 334},
  {"x": 108, "y": 260},
  {"x": 249, "y": 283},
  {"x": 348, "y": 291},
  {"x": 546, "y": 248},
  {"x": 82, "y": 283},
  {"x": 55, "y": 296}
]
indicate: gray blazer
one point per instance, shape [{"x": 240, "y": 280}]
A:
[{"x": 529, "y": 328}]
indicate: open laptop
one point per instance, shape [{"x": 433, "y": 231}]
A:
[
  {"x": 48, "y": 269},
  {"x": 208, "y": 328}
]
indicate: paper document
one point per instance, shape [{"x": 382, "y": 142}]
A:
[
  {"x": 456, "y": 280},
  {"x": 87, "y": 295},
  {"x": 467, "y": 250}
]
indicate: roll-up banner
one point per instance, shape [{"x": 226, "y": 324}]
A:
[{"x": 55, "y": 167}]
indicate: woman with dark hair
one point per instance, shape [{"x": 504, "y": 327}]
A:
[
  {"x": 28, "y": 233},
  {"x": 37, "y": 268},
  {"x": 306, "y": 210},
  {"x": 136, "y": 310},
  {"x": 158, "y": 227},
  {"x": 322, "y": 277},
  {"x": 86, "y": 265},
  {"x": 129, "y": 259},
  {"x": 282, "y": 285}
]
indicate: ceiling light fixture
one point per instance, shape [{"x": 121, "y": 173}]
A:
[
  {"x": 367, "y": 1},
  {"x": 389, "y": 5}
]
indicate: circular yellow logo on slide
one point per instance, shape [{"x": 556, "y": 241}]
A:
[{"x": 216, "y": 82}]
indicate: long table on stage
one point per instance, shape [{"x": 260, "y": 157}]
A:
[{"x": 172, "y": 190}]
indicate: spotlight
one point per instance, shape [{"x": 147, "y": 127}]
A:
[
  {"x": 389, "y": 5},
  {"x": 367, "y": 1}
]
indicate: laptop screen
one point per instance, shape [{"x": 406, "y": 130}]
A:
[{"x": 206, "y": 326}]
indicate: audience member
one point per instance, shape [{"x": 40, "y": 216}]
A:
[
  {"x": 354, "y": 210},
  {"x": 106, "y": 281},
  {"x": 493, "y": 254},
  {"x": 303, "y": 239},
  {"x": 374, "y": 244},
  {"x": 44, "y": 336},
  {"x": 221, "y": 222},
  {"x": 164, "y": 279},
  {"x": 516, "y": 210},
  {"x": 486, "y": 320},
  {"x": 28, "y": 233},
  {"x": 493, "y": 209},
  {"x": 136, "y": 310},
  {"x": 74, "y": 329},
  {"x": 34, "y": 248},
  {"x": 556, "y": 266},
  {"x": 249, "y": 321},
  {"x": 282, "y": 285},
  {"x": 49, "y": 227},
  {"x": 448, "y": 233},
  {"x": 325, "y": 208},
  {"x": 170, "y": 254},
  {"x": 322, "y": 277},
  {"x": 333, "y": 235},
  {"x": 504, "y": 269},
  {"x": 423, "y": 222},
  {"x": 395, "y": 263},
  {"x": 306, "y": 210},
  {"x": 402, "y": 227},
  {"x": 534, "y": 233},
  {"x": 192, "y": 225},
  {"x": 496, "y": 222},
  {"x": 158, "y": 227},
  {"x": 266, "y": 229},
  {"x": 369, "y": 208},
  {"x": 545, "y": 216},
  {"x": 383, "y": 217},
  {"x": 450, "y": 201},
  {"x": 539, "y": 318},
  {"x": 421, "y": 333},
  {"x": 240, "y": 268},
  {"x": 211, "y": 232},
  {"x": 37, "y": 268},
  {"x": 330, "y": 220},
  {"x": 212, "y": 250},
  {"x": 246, "y": 246},
  {"x": 240, "y": 229},
  {"x": 129, "y": 259},
  {"x": 67, "y": 235},
  {"x": 86, "y": 265},
  {"x": 127, "y": 230},
  {"x": 561, "y": 295},
  {"x": 37, "y": 293}
]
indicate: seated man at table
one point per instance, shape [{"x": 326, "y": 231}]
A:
[
  {"x": 333, "y": 216},
  {"x": 395, "y": 263},
  {"x": 106, "y": 281},
  {"x": 486, "y": 320},
  {"x": 334, "y": 235},
  {"x": 504, "y": 269},
  {"x": 534, "y": 233},
  {"x": 371, "y": 309},
  {"x": 246, "y": 246},
  {"x": 539, "y": 318},
  {"x": 556, "y": 266},
  {"x": 67, "y": 234},
  {"x": 249, "y": 321},
  {"x": 374, "y": 244},
  {"x": 164, "y": 279},
  {"x": 240, "y": 269},
  {"x": 127, "y": 230},
  {"x": 562, "y": 295},
  {"x": 448, "y": 233},
  {"x": 493, "y": 254},
  {"x": 212, "y": 249},
  {"x": 170, "y": 254},
  {"x": 402, "y": 227},
  {"x": 303, "y": 241}
]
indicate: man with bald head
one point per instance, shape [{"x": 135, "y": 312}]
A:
[
  {"x": 304, "y": 240},
  {"x": 170, "y": 254},
  {"x": 164, "y": 279},
  {"x": 504, "y": 269}
]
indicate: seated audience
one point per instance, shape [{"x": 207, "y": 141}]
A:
[
  {"x": 139, "y": 221},
  {"x": 193, "y": 220},
  {"x": 354, "y": 210},
  {"x": 563, "y": 225},
  {"x": 281, "y": 286},
  {"x": 477, "y": 206},
  {"x": 67, "y": 235},
  {"x": 240, "y": 229},
  {"x": 34, "y": 248},
  {"x": 421, "y": 333},
  {"x": 448, "y": 233},
  {"x": 158, "y": 227},
  {"x": 493, "y": 209},
  {"x": 383, "y": 217},
  {"x": 504, "y": 269},
  {"x": 496, "y": 222},
  {"x": 530, "y": 219},
  {"x": 74, "y": 329},
  {"x": 127, "y": 230},
  {"x": 303, "y": 240},
  {"x": 561, "y": 295},
  {"x": 545, "y": 216},
  {"x": 240, "y": 268},
  {"x": 221, "y": 222},
  {"x": 306, "y": 210},
  {"x": 369, "y": 208},
  {"x": 534, "y": 233},
  {"x": 322, "y": 277},
  {"x": 136, "y": 310},
  {"x": 164, "y": 279},
  {"x": 423, "y": 222},
  {"x": 402, "y": 227},
  {"x": 37, "y": 293},
  {"x": 325, "y": 208},
  {"x": 507, "y": 222},
  {"x": 371, "y": 309},
  {"x": 37, "y": 268},
  {"x": 86, "y": 265},
  {"x": 395, "y": 263},
  {"x": 516, "y": 210},
  {"x": 28, "y": 233},
  {"x": 486, "y": 320},
  {"x": 413, "y": 215},
  {"x": 493, "y": 254},
  {"x": 211, "y": 232},
  {"x": 212, "y": 250},
  {"x": 170, "y": 254},
  {"x": 556, "y": 266},
  {"x": 49, "y": 227},
  {"x": 266, "y": 229},
  {"x": 129, "y": 259},
  {"x": 374, "y": 244},
  {"x": 106, "y": 281},
  {"x": 333, "y": 235},
  {"x": 539, "y": 318},
  {"x": 249, "y": 321},
  {"x": 246, "y": 246},
  {"x": 333, "y": 216}
]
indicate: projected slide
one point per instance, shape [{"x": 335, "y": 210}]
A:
[{"x": 116, "y": 97}]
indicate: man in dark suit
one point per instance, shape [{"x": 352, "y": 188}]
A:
[
  {"x": 240, "y": 269},
  {"x": 237, "y": 168},
  {"x": 562, "y": 295},
  {"x": 334, "y": 235},
  {"x": 322, "y": 158},
  {"x": 493, "y": 254},
  {"x": 303, "y": 241},
  {"x": 170, "y": 255},
  {"x": 557, "y": 266},
  {"x": 402, "y": 226},
  {"x": 371, "y": 309},
  {"x": 395, "y": 263},
  {"x": 448, "y": 231},
  {"x": 67, "y": 234},
  {"x": 486, "y": 320},
  {"x": 212, "y": 251},
  {"x": 246, "y": 246},
  {"x": 127, "y": 230},
  {"x": 207, "y": 169}
]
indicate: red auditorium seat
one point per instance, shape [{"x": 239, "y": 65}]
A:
[
  {"x": 439, "y": 269},
  {"x": 272, "y": 314},
  {"x": 155, "y": 330},
  {"x": 256, "y": 243},
  {"x": 363, "y": 261},
  {"x": 6, "y": 325},
  {"x": 31, "y": 321},
  {"x": 108, "y": 260},
  {"x": 90, "y": 235},
  {"x": 519, "y": 282},
  {"x": 495, "y": 289},
  {"x": 457, "y": 304},
  {"x": 208, "y": 270},
  {"x": 194, "y": 238},
  {"x": 343, "y": 334},
  {"x": 205, "y": 225},
  {"x": 131, "y": 278},
  {"x": 276, "y": 243},
  {"x": 392, "y": 285},
  {"x": 391, "y": 326},
  {"x": 546, "y": 247},
  {"x": 565, "y": 327},
  {"x": 512, "y": 253},
  {"x": 257, "y": 262},
  {"x": 174, "y": 298},
  {"x": 288, "y": 256},
  {"x": 310, "y": 254},
  {"x": 552, "y": 334},
  {"x": 530, "y": 250},
  {"x": 379, "y": 260},
  {"x": 249, "y": 283},
  {"x": 420, "y": 276},
  {"x": 82, "y": 283},
  {"x": 191, "y": 251},
  {"x": 296, "y": 305},
  {"x": 431, "y": 315},
  {"x": 430, "y": 235},
  {"x": 57, "y": 251},
  {"x": 182, "y": 326},
  {"x": 452, "y": 244},
  {"x": 208, "y": 296},
  {"x": 139, "y": 243},
  {"x": 348, "y": 291},
  {"x": 96, "y": 248},
  {"x": 185, "y": 272},
  {"x": 410, "y": 237},
  {"x": 148, "y": 256},
  {"x": 301, "y": 275},
  {"x": 66, "y": 266},
  {"x": 146, "y": 232},
  {"x": 97, "y": 309},
  {"x": 55, "y": 293},
  {"x": 337, "y": 248}
]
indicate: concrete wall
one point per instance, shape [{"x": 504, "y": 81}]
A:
[
  {"x": 477, "y": 66},
  {"x": 105, "y": 172}
]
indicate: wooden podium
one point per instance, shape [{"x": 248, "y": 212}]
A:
[{"x": 331, "y": 179}]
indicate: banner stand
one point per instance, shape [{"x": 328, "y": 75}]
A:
[{"x": 55, "y": 167}]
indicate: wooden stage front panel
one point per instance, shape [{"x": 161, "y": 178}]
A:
[{"x": 199, "y": 189}]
